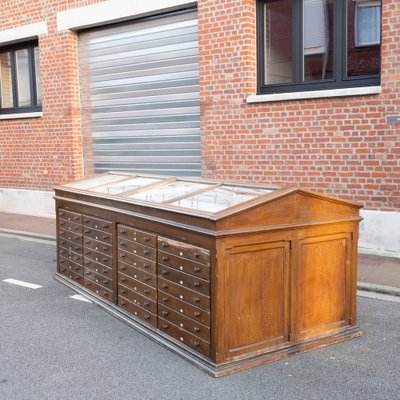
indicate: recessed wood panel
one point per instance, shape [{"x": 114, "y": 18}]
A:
[
  {"x": 256, "y": 296},
  {"x": 323, "y": 263}
]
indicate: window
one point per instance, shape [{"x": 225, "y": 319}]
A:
[
  {"x": 318, "y": 44},
  {"x": 20, "y": 79}
]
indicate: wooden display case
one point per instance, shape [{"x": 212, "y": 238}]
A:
[{"x": 228, "y": 276}]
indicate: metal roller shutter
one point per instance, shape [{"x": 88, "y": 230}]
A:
[{"x": 140, "y": 94}]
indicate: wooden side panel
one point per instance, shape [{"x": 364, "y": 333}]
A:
[
  {"x": 323, "y": 283},
  {"x": 256, "y": 297}
]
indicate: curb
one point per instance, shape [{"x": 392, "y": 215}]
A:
[
  {"x": 28, "y": 235},
  {"x": 372, "y": 287}
]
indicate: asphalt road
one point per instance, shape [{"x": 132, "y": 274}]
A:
[{"x": 54, "y": 347}]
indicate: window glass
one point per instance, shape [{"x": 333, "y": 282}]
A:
[
  {"x": 37, "y": 76},
  {"x": 125, "y": 185},
  {"x": 318, "y": 39},
  {"x": 363, "y": 38},
  {"x": 7, "y": 99},
  {"x": 278, "y": 18},
  {"x": 23, "y": 78}
]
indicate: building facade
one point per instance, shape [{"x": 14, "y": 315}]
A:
[{"x": 273, "y": 92}]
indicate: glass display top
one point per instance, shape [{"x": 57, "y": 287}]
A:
[{"x": 208, "y": 197}]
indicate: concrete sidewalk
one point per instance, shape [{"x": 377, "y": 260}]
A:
[{"x": 375, "y": 273}]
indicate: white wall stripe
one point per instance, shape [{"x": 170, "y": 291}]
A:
[{"x": 22, "y": 283}]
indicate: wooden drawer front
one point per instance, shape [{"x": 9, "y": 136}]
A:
[
  {"x": 72, "y": 275},
  {"x": 66, "y": 244},
  {"x": 93, "y": 244},
  {"x": 184, "y": 265},
  {"x": 70, "y": 216},
  {"x": 97, "y": 256},
  {"x": 68, "y": 265},
  {"x": 148, "y": 239},
  {"x": 96, "y": 223},
  {"x": 136, "y": 248},
  {"x": 98, "y": 268},
  {"x": 97, "y": 235},
  {"x": 137, "y": 286},
  {"x": 137, "y": 261},
  {"x": 184, "y": 308},
  {"x": 70, "y": 255},
  {"x": 184, "y": 336},
  {"x": 186, "y": 280},
  {"x": 185, "y": 323},
  {"x": 137, "y": 299},
  {"x": 183, "y": 293},
  {"x": 185, "y": 250},
  {"x": 98, "y": 289},
  {"x": 71, "y": 236},
  {"x": 70, "y": 226},
  {"x": 98, "y": 278},
  {"x": 138, "y": 274},
  {"x": 137, "y": 311}
]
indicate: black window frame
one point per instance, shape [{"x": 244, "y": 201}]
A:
[
  {"x": 340, "y": 80},
  {"x": 34, "y": 107}
]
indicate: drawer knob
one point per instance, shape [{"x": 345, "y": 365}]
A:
[
  {"x": 146, "y": 303},
  {"x": 196, "y": 269},
  {"x": 196, "y": 283},
  {"x": 76, "y": 268},
  {"x": 123, "y": 268},
  {"x": 88, "y": 284},
  {"x": 123, "y": 255},
  {"x": 105, "y": 271},
  {"x": 164, "y": 258},
  {"x": 106, "y": 237},
  {"x": 105, "y": 293},
  {"x": 146, "y": 290},
  {"x": 122, "y": 231},
  {"x": 87, "y": 230},
  {"x": 164, "y": 272},
  {"x": 77, "y": 228},
  {"x": 88, "y": 252},
  {"x": 105, "y": 248},
  {"x": 196, "y": 299},
  {"x": 105, "y": 226},
  {"x": 123, "y": 302},
  {"x": 147, "y": 316},
  {"x": 196, "y": 329},
  {"x": 61, "y": 213},
  {"x": 123, "y": 279},
  {"x": 145, "y": 266},
  {"x": 123, "y": 291},
  {"x": 196, "y": 343},
  {"x": 165, "y": 299},
  {"x": 105, "y": 260},
  {"x": 122, "y": 243},
  {"x": 165, "y": 313},
  {"x": 164, "y": 245},
  {"x": 62, "y": 223},
  {"x": 105, "y": 281},
  {"x": 146, "y": 252},
  {"x": 77, "y": 278},
  {"x": 86, "y": 221},
  {"x": 197, "y": 254},
  {"x": 146, "y": 278},
  {"x": 164, "y": 286},
  {"x": 165, "y": 326},
  {"x": 146, "y": 239},
  {"x": 197, "y": 314}
]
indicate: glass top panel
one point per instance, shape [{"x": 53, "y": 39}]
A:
[
  {"x": 95, "y": 181},
  {"x": 220, "y": 198},
  {"x": 170, "y": 191},
  {"x": 126, "y": 185}
]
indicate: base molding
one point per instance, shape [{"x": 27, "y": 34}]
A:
[{"x": 205, "y": 364}]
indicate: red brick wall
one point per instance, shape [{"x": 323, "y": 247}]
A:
[
  {"x": 340, "y": 146},
  {"x": 42, "y": 152}
]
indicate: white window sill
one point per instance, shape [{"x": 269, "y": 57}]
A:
[
  {"x": 22, "y": 115},
  {"x": 315, "y": 94}
]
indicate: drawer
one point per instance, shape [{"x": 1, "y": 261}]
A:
[
  {"x": 70, "y": 216},
  {"x": 186, "y": 280},
  {"x": 184, "y": 265},
  {"x": 184, "y": 308},
  {"x": 185, "y": 294},
  {"x": 185, "y": 323},
  {"x": 72, "y": 275},
  {"x": 97, "y": 235},
  {"x": 71, "y": 236},
  {"x": 70, "y": 226},
  {"x": 97, "y": 223},
  {"x": 138, "y": 274},
  {"x": 68, "y": 265},
  {"x": 184, "y": 337},
  {"x": 66, "y": 244},
  {"x": 135, "y": 235},
  {"x": 137, "y": 261},
  {"x": 181, "y": 249},
  {"x": 98, "y": 278},
  {"x": 137, "y": 311},
  {"x": 70, "y": 255},
  {"x": 138, "y": 249},
  {"x": 97, "y": 246},
  {"x": 137, "y": 299},
  {"x": 100, "y": 290},
  {"x": 98, "y": 257},
  {"x": 94, "y": 266},
  {"x": 137, "y": 286}
]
